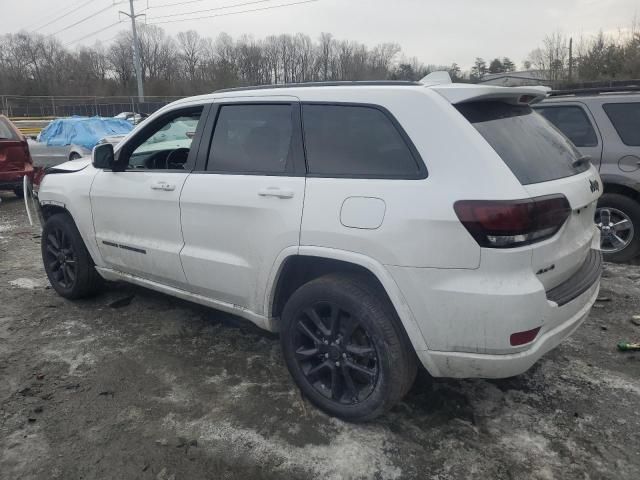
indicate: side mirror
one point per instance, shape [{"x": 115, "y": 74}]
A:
[{"x": 102, "y": 156}]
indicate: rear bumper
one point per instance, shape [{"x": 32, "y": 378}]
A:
[
  {"x": 470, "y": 365},
  {"x": 467, "y": 317},
  {"x": 11, "y": 180}
]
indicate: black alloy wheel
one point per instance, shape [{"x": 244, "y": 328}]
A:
[
  {"x": 345, "y": 346},
  {"x": 335, "y": 353},
  {"x": 67, "y": 262},
  {"x": 60, "y": 258}
]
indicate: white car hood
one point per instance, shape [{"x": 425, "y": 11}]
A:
[{"x": 74, "y": 165}]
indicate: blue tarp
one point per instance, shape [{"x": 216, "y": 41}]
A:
[{"x": 84, "y": 131}]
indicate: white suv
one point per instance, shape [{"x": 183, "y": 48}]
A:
[{"x": 374, "y": 225}]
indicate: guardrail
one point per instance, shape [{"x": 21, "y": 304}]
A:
[{"x": 31, "y": 126}]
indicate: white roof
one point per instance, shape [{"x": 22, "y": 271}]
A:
[{"x": 453, "y": 92}]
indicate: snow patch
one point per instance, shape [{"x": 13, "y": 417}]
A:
[
  {"x": 28, "y": 283},
  {"x": 74, "y": 359},
  {"x": 354, "y": 452}
]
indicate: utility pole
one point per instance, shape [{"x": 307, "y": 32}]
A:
[
  {"x": 570, "y": 59},
  {"x": 136, "y": 52}
]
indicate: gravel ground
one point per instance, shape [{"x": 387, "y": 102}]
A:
[{"x": 133, "y": 384}]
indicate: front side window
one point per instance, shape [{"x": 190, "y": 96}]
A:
[
  {"x": 167, "y": 145},
  {"x": 573, "y": 122},
  {"x": 626, "y": 120},
  {"x": 252, "y": 139},
  {"x": 359, "y": 141}
]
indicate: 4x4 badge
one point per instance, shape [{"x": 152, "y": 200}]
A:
[{"x": 594, "y": 185}]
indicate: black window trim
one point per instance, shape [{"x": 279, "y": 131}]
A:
[
  {"x": 422, "y": 171},
  {"x": 195, "y": 143},
  {"x": 613, "y": 123},
  {"x": 295, "y": 169},
  {"x": 587, "y": 114}
]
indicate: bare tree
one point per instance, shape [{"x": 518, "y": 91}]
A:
[
  {"x": 552, "y": 57},
  {"x": 190, "y": 47}
]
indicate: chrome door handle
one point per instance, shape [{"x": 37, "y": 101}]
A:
[
  {"x": 167, "y": 187},
  {"x": 275, "y": 192}
]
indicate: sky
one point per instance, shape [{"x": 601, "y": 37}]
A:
[{"x": 435, "y": 31}]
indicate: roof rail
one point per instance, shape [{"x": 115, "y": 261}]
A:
[
  {"x": 366, "y": 83},
  {"x": 594, "y": 90}
]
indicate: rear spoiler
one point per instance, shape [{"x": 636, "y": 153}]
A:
[{"x": 462, "y": 93}]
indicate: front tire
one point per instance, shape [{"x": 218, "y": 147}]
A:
[
  {"x": 618, "y": 218},
  {"x": 346, "y": 348},
  {"x": 18, "y": 192},
  {"x": 67, "y": 262}
]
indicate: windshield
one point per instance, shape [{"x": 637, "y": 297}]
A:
[
  {"x": 6, "y": 132},
  {"x": 532, "y": 148}
]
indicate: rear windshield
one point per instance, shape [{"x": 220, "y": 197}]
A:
[
  {"x": 532, "y": 148},
  {"x": 6, "y": 132}
]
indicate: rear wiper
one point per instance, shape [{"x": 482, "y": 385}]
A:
[{"x": 578, "y": 162}]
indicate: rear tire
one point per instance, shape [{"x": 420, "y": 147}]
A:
[
  {"x": 630, "y": 208},
  {"x": 67, "y": 262},
  {"x": 351, "y": 358}
]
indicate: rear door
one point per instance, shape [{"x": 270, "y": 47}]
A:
[
  {"x": 621, "y": 120},
  {"x": 545, "y": 163},
  {"x": 242, "y": 206}
]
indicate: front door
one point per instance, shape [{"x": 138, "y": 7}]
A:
[
  {"x": 242, "y": 207},
  {"x": 136, "y": 211}
]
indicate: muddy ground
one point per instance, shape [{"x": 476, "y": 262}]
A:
[{"x": 133, "y": 384}]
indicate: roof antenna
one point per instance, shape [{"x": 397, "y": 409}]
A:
[{"x": 437, "y": 78}]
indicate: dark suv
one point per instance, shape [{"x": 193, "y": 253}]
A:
[{"x": 604, "y": 124}]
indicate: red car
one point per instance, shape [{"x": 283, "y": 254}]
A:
[{"x": 15, "y": 159}]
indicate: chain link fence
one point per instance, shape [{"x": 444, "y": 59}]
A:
[{"x": 52, "y": 106}]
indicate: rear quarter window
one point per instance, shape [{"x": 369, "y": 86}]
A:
[
  {"x": 625, "y": 118},
  {"x": 533, "y": 149}
]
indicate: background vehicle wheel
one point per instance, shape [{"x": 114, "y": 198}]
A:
[
  {"x": 618, "y": 218},
  {"x": 18, "y": 192},
  {"x": 346, "y": 348},
  {"x": 67, "y": 262},
  {"x": 74, "y": 156}
]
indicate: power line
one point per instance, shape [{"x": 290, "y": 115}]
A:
[
  {"x": 68, "y": 10},
  {"x": 94, "y": 33},
  {"x": 175, "y": 4},
  {"x": 224, "y": 7},
  {"x": 88, "y": 17},
  {"x": 234, "y": 13}
]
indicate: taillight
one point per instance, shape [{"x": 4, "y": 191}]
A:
[{"x": 513, "y": 223}]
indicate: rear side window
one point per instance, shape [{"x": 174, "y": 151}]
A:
[
  {"x": 355, "y": 141},
  {"x": 573, "y": 122},
  {"x": 6, "y": 132},
  {"x": 626, "y": 120},
  {"x": 252, "y": 139},
  {"x": 530, "y": 146}
]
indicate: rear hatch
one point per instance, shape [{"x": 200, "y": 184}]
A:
[{"x": 551, "y": 170}]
